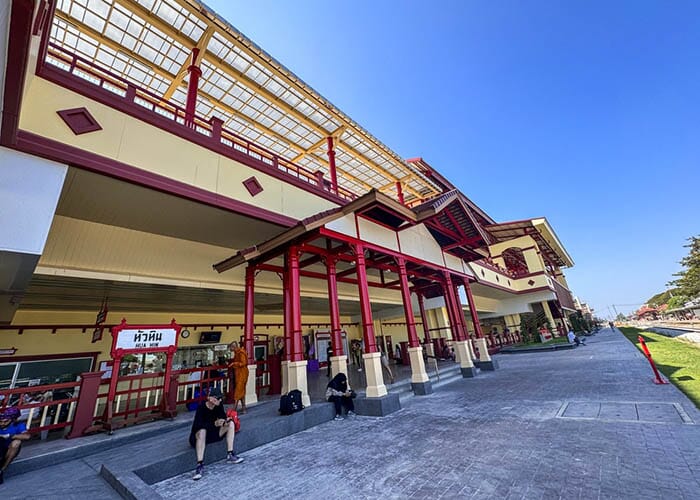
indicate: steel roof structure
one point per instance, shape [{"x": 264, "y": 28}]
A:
[{"x": 151, "y": 42}]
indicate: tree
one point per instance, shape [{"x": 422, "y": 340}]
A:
[{"x": 688, "y": 282}]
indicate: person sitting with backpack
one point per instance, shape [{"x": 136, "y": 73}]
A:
[
  {"x": 211, "y": 424},
  {"x": 338, "y": 393}
]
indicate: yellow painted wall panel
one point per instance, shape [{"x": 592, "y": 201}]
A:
[
  {"x": 379, "y": 235},
  {"x": 38, "y": 115},
  {"x": 136, "y": 143},
  {"x": 418, "y": 242}
]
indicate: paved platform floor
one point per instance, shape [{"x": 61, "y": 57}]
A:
[{"x": 581, "y": 423}]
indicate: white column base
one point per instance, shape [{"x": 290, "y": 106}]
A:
[
  {"x": 462, "y": 354},
  {"x": 429, "y": 349},
  {"x": 373, "y": 372},
  {"x": 284, "y": 369},
  {"x": 297, "y": 380},
  {"x": 339, "y": 364},
  {"x": 251, "y": 397},
  {"x": 483, "y": 350},
  {"x": 418, "y": 373}
]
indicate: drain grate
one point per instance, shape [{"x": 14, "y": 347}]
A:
[{"x": 663, "y": 413}]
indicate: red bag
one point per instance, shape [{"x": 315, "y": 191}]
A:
[{"x": 232, "y": 415}]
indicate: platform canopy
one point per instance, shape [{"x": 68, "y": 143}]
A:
[{"x": 151, "y": 42}]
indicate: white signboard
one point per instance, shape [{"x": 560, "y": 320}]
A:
[{"x": 148, "y": 338}]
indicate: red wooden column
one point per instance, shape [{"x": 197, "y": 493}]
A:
[
  {"x": 294, "y": 292},
  {"x": 459, "y": 311},
  {"x": 192, "y": 87},
  {"x": 249, "y": 314},
  {"x": 399, "y": 192},
  {"x": 331, "y": 166},
  {"x": 423, "y": 317},
  {"x": 336, "y": 339},
  {"x": 472, "y": 310},
  {"x": 365, "y": 307},
  {"x": 449, "y": 291},
  {"x": 287, "y": 309},
  {"x": 407, "y": 306}
]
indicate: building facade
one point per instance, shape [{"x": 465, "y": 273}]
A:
[{"x": 157, "y": 164}]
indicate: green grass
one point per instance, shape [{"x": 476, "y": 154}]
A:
[{"x": 678, "y": 360}]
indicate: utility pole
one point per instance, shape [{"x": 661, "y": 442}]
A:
[{"x": 616, "y": 313}]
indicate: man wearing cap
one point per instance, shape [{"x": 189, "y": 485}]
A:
[
  {"x": 12, "y": 433},
  {"x": 211, "y": 425}
]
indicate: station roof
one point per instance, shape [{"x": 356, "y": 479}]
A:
[
  {"x": 150, "y": 42},
  {"x": 540, "y": 230}
]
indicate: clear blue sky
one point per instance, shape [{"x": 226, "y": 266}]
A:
[{"x": 585, "y": 112}]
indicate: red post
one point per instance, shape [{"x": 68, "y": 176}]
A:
[
  {"x": 85, "y": 409},
  {"x": 249, "y": 314},
  {"x": 217, "y": 124},
  {"x": 365, "y": 307},
  {"x": 170, "y": 396},
  {"x": 331, "y": 166},
  {"x": 472, "y": 309},
  {"x": 457, "y": 328},
  {"x": 192, "y": 85},
  {"x": 287, "y": 309},
  {"x": 336, "y": 339},
  {"x": 658, "y": 379},
  {"x": 423, "y": 317},
  {"x": 407, "y": 306},
  {"x": 297, "y": 353},
  {"x": 399, "y": 192}
]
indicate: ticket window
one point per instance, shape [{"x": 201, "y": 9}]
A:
[{"x": 202, "y": 355}]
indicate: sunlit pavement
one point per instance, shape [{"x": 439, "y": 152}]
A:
[{"x": 582, "y": 423}]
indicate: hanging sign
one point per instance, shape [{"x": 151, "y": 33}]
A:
[{"x": 8, "y": 352}]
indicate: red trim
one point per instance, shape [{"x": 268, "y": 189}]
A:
[
  {"x": 423, "y": 317},
  {"x": 42, "y": 18},
  {"x": 409, "y": 258},
  {"x": 79, "y": 120},
  {"x": 41, "y": 357},
  {"x": 472, "y": 310},
  {"x": 253, "y": 186},
  {"x": 57, "y": 151},
  {"x": 19, "y": 38}
]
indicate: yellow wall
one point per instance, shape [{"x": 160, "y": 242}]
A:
[
  {"x": 67, "y": 341},
  {"x": 136, "y": 143}
]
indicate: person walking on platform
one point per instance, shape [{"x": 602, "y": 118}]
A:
[
  {"x": 338, "y": 393},
  {"x": 239, "y": 367},
  {"x": 329, "y": 353},
  {"x": 385, "y": 363},
  {"x": 211, "y": 425}
]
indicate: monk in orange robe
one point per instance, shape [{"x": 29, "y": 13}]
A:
[{"x": 239, "y": 366}]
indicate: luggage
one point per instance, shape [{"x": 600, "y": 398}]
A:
[{"x": 291, "y": 402}]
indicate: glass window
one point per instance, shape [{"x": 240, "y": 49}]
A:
[
  {"x": 7, "y": 372},
  {"x": 51, "y": 371}
]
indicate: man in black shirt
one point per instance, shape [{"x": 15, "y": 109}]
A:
[{"x": 211, "y": 425}]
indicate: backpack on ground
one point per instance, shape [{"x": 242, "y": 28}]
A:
[{"x": 291, "y": 402}]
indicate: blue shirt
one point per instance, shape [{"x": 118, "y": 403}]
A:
[{"x": 13, "y": 429}]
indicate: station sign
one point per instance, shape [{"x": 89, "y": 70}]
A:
[{"x": 132, "y": 339}]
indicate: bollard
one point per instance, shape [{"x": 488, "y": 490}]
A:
[{"x": 658, "y": 379}]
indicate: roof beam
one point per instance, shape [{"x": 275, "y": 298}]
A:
[
  {"x": 202, "y": 46},
  {"x": 335, "y": 134}
]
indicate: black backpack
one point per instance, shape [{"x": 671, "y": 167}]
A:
[{"x": 291, "y": 402}]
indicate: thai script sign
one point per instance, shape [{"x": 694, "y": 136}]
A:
[{"x": 148, "y": 338}]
